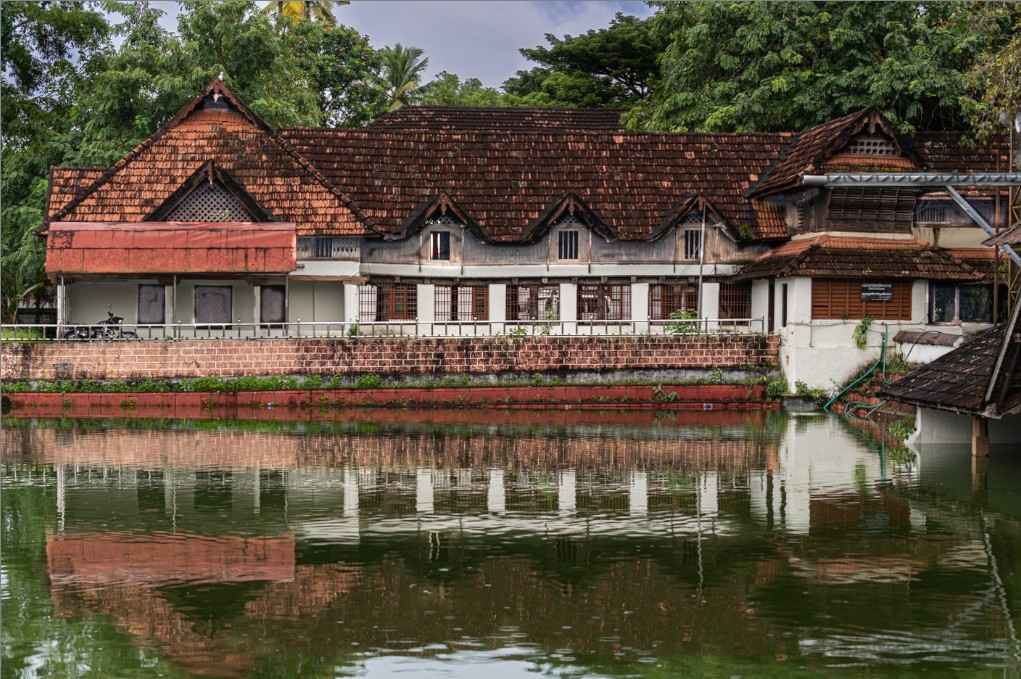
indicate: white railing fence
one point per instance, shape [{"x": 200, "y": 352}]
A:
[{"x": 337, "y": 329}]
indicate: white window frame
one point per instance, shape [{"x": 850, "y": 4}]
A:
[
  {"x": 564, "y": 238},
  {"x": 435, "y": 241}
]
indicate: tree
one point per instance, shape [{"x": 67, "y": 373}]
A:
[
  {"x": 447, "y": 89},
  {"x": 289, "y": 12},
  {"x": 611, "y": 66},
  {"x": 996, "y": 78},
  {"x": 402, "y": 67},
  {"x": 736, "y": 66}
]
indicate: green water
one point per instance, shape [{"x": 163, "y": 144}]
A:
[{"x": 461, "y": 546}]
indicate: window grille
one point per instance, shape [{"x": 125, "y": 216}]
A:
[
  {"x": 871, "y": 145},
  {"x": 567, "y": 245},
  {"x": 440, "y": 245},
  {"x": 735, "y": 300},
  {"x": 381, "y": 302},
  {"x": 461, "y": 303},
  {"x": 533, "y": 302},
  {"x": 666, "y": 299},
  {"x": 604, "y": 302},
  {"x": 210, "y": 203},
  {"x": 324, "y": 247},
  {"x": 692, "y": 244}
]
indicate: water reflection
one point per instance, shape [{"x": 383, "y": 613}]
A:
[{"x": 727, "y": 544}]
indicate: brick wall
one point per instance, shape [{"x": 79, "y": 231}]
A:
[{"x": 384, "y": 356}]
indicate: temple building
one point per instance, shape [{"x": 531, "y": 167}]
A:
[{"x": 447, "y": 221}]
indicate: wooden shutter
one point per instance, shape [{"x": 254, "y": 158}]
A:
[{"x": 841, "y": 299}]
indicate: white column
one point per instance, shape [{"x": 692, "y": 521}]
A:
[
  {"x": 350, "y": 493},
  {"x": 424, "y": 491},
  {"x": 920, "y": 301},
  {"x": 760, "y": 304},
  {"x": 497, "y": 307},
  {"x": 61, "y": 500},
  {"x": 567, "y": 501},
  {"x": 758, "y": 495},
  {"x": 496, "y": 499},
  {"x": 426, "y": 300},
  {"x": 638, "y": 494},
  {"x": 708, "y": 494},
  {"x": 257, "y": 490},
  {"x": 350, "y": 303},
  {"x": 569, "y": 308},
  {"x": 710, "y": 303},
  {"x": 257, "y": 307},
  {"x": 640, "y": 307},
  {"x": 61, "y": 302}
]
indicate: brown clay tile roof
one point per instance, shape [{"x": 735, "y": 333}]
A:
[
  {"x": 170, "y": 247},
  {"x": 981, "y": 259},
  {"x": 1011, "y": 236},
  {"x": 68, "y": 183},
  {"x": 506, "y": 181},
  {"x": 952, "y": 151},
  {"x": 932, "y": 338},
  {"x": 475, "y": 118},
  {"x": 283, "y": 183},
  {"x": 827, "y": 256},
  {"x": 959, "y": 380}
]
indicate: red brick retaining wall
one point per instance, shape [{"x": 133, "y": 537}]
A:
[{"x": 383, "y": 356}]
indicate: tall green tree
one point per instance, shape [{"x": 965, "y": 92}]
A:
[
  {"x": 734, "y": 66},
  {"x": 612, "y": 66},
  {"x": 447, "y": 89},
  {"x": 402, "y": 69}
]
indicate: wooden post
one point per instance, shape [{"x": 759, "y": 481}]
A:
[{"x": 979, "y": 436}]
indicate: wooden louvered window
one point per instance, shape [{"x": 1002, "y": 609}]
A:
[
  {"x": 461, "y": 303},
  {"x": 666, "y": 299},
  {"x": 382, "y": 302},
  {"x": 604, "y": 302},
  {"x": 843, "y": 299}
]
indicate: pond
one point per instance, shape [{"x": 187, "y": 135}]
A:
[{"x": 503, "y": 544}]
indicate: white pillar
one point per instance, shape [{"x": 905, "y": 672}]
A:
[
  {"x": 497, "y": 307},
  {"x": 61, "y": 500},
  {"x": 708, "y": 494},
  {"x": 758, "y": 494},
  {"x": 920, "y": 301},
  {"x": 257, "y": 306},
  {"x": 640, "y": 307},
  {"x": 424, "y": 491},
  {"x": 710, "y": 303},
  {"x": 496, "y": 499},
  {"x": 426, "y": 313},
  {"x": 257, "y": 490},
  {"x": 638, "y": 494},
  {"x": 760, "y": 304},
  {"x": 350, "y": 493},
  {"x": 61, "y": 302},
  {"x": 350, "y": 303},
  {"x": 569, "y": 308},
  {"x": 567, "y": 501}
]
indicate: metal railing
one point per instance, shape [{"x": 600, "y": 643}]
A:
[{"x": 79, "y": 332}]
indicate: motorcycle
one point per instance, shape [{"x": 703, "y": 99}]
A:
[{"x": 109, "y": 329}]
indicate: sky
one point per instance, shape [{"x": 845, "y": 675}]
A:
[{"x": 472, "y": 38}]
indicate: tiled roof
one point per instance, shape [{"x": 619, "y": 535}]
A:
[
  {"x": 472, "y": 118},
  {"x": 980, "y": 259},
  {"x": 959, "y": 380},
  {"x": 283, "y": 183},
  {"x": 948, "y": 151},
  {"x": 1011, "y": 236},
  {"x": 828, "y": 256},
  {"x": 68, "y": 183},
  {"x": 505, "y": 181},
  {"x": 170, "y": 247}
]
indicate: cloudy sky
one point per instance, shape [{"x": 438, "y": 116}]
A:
[{"x": 473, "y": 38}]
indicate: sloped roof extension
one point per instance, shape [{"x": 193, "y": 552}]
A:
[{"x": 827, "y": 256}]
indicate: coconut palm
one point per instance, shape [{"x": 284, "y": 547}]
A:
[
  {"x": 402, "y": 67},
  {"x": 299, "y": 10}
]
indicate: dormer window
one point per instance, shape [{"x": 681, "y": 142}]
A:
[
  {"x": 567, "y": 245},
  {"x": 440, "y": 248},
  {"x": 693, "y": 244}
]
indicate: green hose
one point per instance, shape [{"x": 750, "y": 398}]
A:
[{"x": 863, "y": 377}]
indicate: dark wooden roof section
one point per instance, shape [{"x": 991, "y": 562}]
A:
[
  {"x": 827, "y": 256},
  {"x": 212, "y": 128},
  {"x": 507, "y": 181},
  {"x": 170, "y": 248},
  {"x": 479, "y": 118},
  {"x": 960, "y": 380}
]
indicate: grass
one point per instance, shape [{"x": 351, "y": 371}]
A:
[{"x": 21, "y": 334}]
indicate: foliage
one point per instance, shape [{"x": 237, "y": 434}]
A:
[
  {"x": 776, "y": 389},
  {"x": 291, "y": 12},
  {"x": 369, "y": 381},
  {"x": 402, "y": 68},
  {"x": 901, "y": 429},
  {"x": 447, "y": 89},
  {"x": 611, "y": 66},
  {"x": 861, "y": 333},
  {"x": 684, "y": 322},
  {"x": 996, "y": 75},
  {"x": 802, "y": 390},
  {"x": 741, "y": 66}
]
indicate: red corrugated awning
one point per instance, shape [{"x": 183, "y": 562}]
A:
[{"x": 170, "y": 248}]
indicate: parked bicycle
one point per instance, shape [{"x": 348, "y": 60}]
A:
[{"x": 109, "y": 329}]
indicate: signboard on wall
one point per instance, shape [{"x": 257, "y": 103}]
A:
[{"x": 877, "y": 292}]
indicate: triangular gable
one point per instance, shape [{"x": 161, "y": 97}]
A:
[
  {"x": 813, "y": 148},
  {"x": 439, "y": 207},
  {"x": 692, "y": 208},
  {"x": 216, "y": 127},
  {"x": 210, "y": 195},
  {"x": 569, "y": 206}
]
